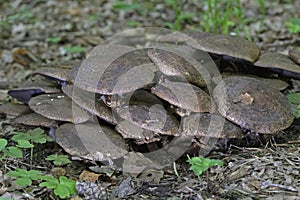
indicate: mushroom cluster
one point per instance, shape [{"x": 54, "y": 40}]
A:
[{"x": 149, "y": 92}]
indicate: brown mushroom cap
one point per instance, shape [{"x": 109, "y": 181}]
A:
[
  {"x": 275, "y": 83},
  {"x": 34, "y": 119},
  {"x": 184, "y": 95},
  {"x": 132, "y": 131},
  {"x": 32, "y": 87},
  {"x": 90, "y": 102},
  {"x": 279, "y": 63},
  {"x": 90, "y": 141},
  {"x": 294, "y": 54},
  {"x": 115, "y": 69},
  {"x": 233, "y": 46},
  {"x": 54, "y": 73},
  {"x": 58, "y": 107},
  {"x": 146, "y": 111},
  {"x": 150, "y": 117},
  {"x": 14, "y": 109},
  {"x": 177, "y": 63},
  {"x": 209, "y": 125},
  {"x": 252, "y": 104}
]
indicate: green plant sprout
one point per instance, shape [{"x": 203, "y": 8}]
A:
[
  {"x": 13, "y": 152},
  {"x": 199, "y": 165},
  {"x": 63, "y": 187},
  {"x": 26, "y": 140},
  {"x": 53, "y": 40},
  {"x": 23, "y": 177},
  {"x": 58, "y": 159},
  {"x": 74, "y": 49},
  {"x": 295, "y": 99},
  {"x": 180, "y": 15},
  {"x": 293, "y": 25}
]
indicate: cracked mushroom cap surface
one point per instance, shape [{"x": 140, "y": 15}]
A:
[
  {"x": 253, "y": 105},
  {"x": 58, "y": 107}
]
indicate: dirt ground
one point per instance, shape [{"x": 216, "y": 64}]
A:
[{"x": 34, "y": 33}]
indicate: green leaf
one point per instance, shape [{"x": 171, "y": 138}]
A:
[
  {"x": 74, "y": 49},
  {"x": 13, "y": 152},
  {"x": 294, "y": 98},
  {"x": 68, "y": 183},
  {"x": 133, "y": 23},
  {"x": 58, "y": 159},
  {"x": 20, "y": 136},
  {"x": 199, "y": 165},
  {"x": 126, "y": 6},
  {"x": 3, "y": 143},
  {"x": 53, "y": 40},
  {"x": 24, "y": 144},
  {"x": 38, "y": 136},
  {"x": 50, "y": 182},
  {"x": 63, "y": 187},
  {"x": 24, "y": 177},
  {"x": 24, "y": 181}
]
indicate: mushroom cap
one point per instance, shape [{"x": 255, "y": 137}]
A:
[
  {"x": 58, "y": 107},
  {"x": 184, "y": 95},
  {"x": 54, "y": 73},
  {"x": 145, "y": 110},
  {"x": 129, "y": 130},
  {"x": 32, "y": 87},
  {"x": 34, "y": 119},
  {"x": 209, "y": 125},
  {"x": 115, "y": 69},
  {"x": 14, "y": 109},
  {"x": 233, "y": 46},
  {"x": 91, "y": 141},
  {"x": 90, "y": 102},
  {"x": 294, "y": 54},
  {"x": 151, "y": 117},
  {"x": 275, "y": 83},
  {"x": 253, "y": 105},
  {"x": 178, "y": 63},
  {"x": 279, "y": 63}
]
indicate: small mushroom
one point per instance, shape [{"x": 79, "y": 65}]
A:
[{"x": 58, "y": 107}]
